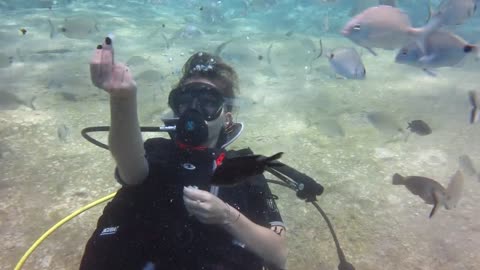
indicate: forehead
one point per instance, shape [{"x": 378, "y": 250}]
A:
[{"x": 200, "y": 79}]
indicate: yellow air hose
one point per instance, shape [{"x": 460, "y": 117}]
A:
[{"x": 56, "y": 226}]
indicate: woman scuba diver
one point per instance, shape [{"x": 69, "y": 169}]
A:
[{"x": 168, "y": 214}]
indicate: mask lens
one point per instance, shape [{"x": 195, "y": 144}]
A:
[{"x": 202, "y": 97}]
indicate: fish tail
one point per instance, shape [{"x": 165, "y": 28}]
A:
[
  {"x": 30, "y": 104},
  {"x": 430, "y": 11},
  {"x": 434, "y": 210},
  {"x": 167, "y": 43},
  {"x": 397, "y": 179},
  {"x": 421, "y": 34},
  {"x": 52, "y": 29},
  {"x": 474, "y": 114},
  {"x": 436, "y": 203}
]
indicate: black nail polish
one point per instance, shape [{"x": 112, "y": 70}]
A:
[
  {"x": 108, "y": 41},
  {"x": 99, "y": 47}
]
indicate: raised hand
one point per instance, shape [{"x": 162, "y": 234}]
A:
[{"x": 115, "y": 78}]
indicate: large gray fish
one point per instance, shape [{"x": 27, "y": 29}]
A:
[
  {"x": 347, "y": 63},
  {"x": 383, "y": 27},
  {"x": 442, "y": 49},
  {"x": 431, "y": 191}
]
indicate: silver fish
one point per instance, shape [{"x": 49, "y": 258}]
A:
[
  {"x": 383, "y": 27},
  {"x": 63, "y": 132},
  {"x": 347, "y": 63},
  {"x": 385, "y": 122},
  {"x": 442, "y": 49},
  {"x": 467, "y": 167},
  {"x": 454, "y": 190},
  {"x": 78, "y": 27},
  {"x": 452, "y": 12},
  {"x": 428, "y": 189}
]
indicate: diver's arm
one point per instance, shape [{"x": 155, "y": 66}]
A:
[
  {"x": 125, "y": 139},
  {"x": 268, "y": 244}
]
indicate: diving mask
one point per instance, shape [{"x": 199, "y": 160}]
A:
[{"x": 203, "y": 97}]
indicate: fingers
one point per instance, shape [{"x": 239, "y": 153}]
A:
[
  {"x": 95, "y": 67},
  {"x": 101, "y": 64},
  {"x": 106, "y": 59},
  {"x": 196, "y": 194},
  {"x": 192, "y": 205},
  {"x": 122, "y": 75}
]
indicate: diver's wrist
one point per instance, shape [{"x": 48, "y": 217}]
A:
[
  {"x": 124, "y": 93},
  {"x": 232, "y": 215}
]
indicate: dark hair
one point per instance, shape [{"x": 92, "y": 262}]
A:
[{"x": 211, "y": 67}]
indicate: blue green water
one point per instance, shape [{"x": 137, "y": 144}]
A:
[{"x": 289, "y": 103}]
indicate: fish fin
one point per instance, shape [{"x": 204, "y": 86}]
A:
[
  {"x": 427, "y": 59},
  {"x": 436, "y": 200},
  {"x": 371, "y": 51},
  {"x": 397, "y": 179},
  {"x": 321, "y": 50},
  {"x": 429, "y": 72},
  {"x": 474, "y": 115}
]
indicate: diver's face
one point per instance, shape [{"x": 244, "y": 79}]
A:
[{"x": 210, "y": 107}]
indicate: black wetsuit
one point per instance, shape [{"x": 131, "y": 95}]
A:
[{"x": 147, "y": 226}]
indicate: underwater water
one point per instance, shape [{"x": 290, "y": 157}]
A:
[{"x": 290, "y": 101}]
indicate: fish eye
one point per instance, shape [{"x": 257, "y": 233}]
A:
[
  {"x": 404, "y": 51},
  {"x": 356, "y": 27}
]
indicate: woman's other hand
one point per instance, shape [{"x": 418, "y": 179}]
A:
[
  {"x": 115, "y": 78},
  {"x": 206, "y": 207}
]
